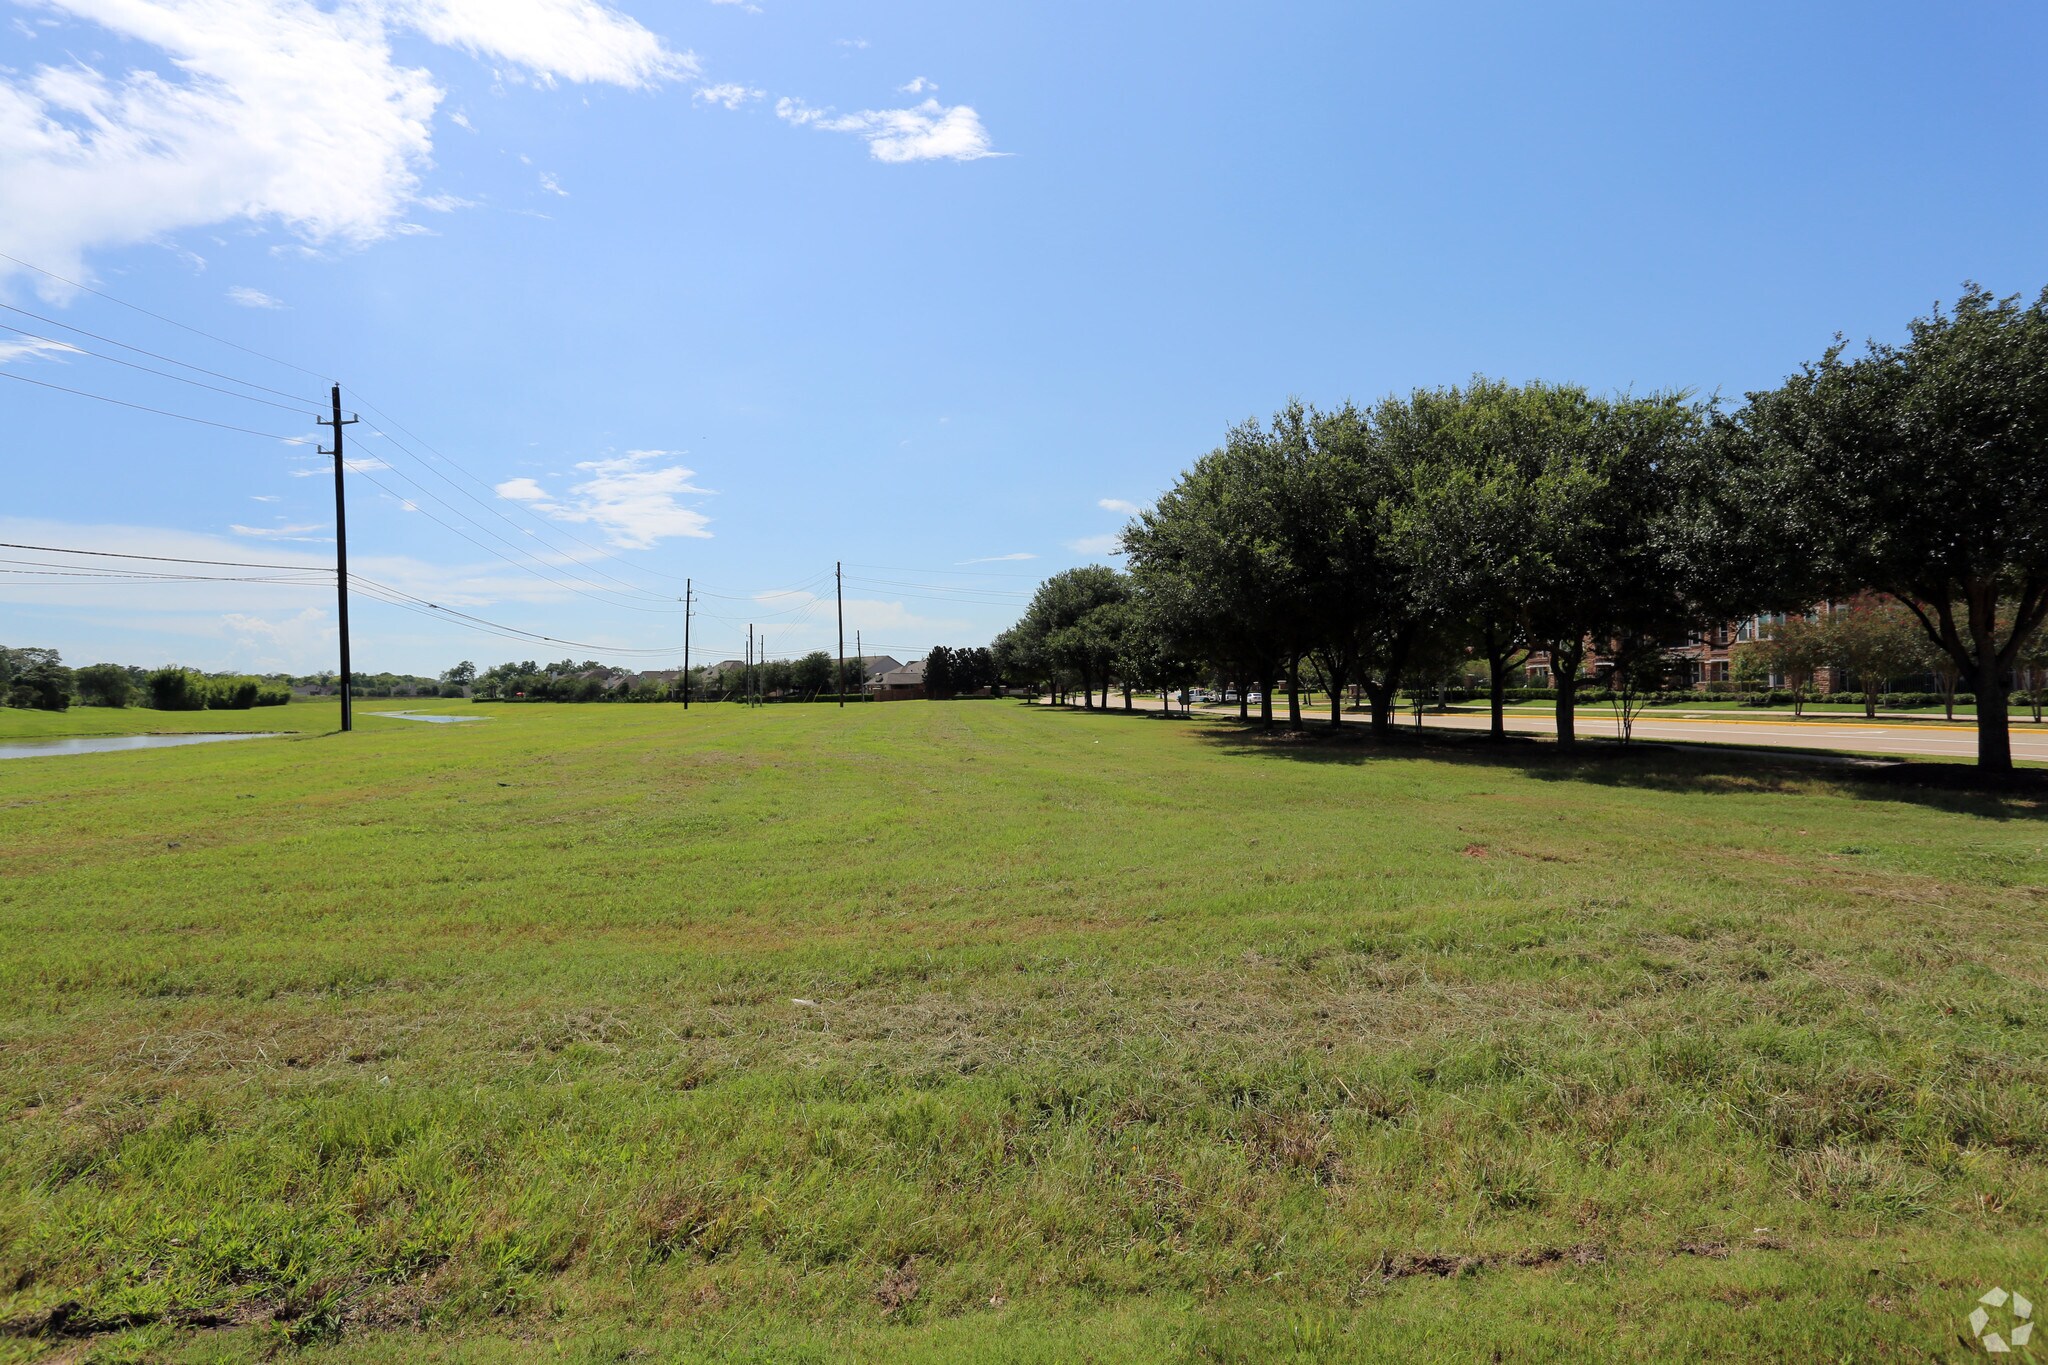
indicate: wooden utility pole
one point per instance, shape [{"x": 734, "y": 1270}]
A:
[
  {"x": 839, "y": 595},
  {"x": 348, "y": 719},
  {"x": 687, "y": 594},
  {"x": 747, "y": 675}
]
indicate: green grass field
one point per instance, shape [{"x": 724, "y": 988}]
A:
[{"x": 987, "y": 1032}]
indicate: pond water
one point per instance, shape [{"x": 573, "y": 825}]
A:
[
  {"x": 107, "y": 744},
  {"x": 425, "y": 716}
]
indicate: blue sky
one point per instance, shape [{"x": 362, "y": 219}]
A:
[{"x": 732, "y": 291}]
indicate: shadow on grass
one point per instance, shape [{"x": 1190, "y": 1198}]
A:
[{"x": 1648, "y": 766}]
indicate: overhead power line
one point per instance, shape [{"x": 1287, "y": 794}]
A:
[
  {"x": 153, "y": 355},
  {"x": 136, "y": 307},
  {"x": 69, "y": 349},
  {"x": 160, "y": 412},
  {"x": 624, "y": 586},
  {"x": 547, "y": 526},
  {"x": 164, "y": 559},
  {"x": 424, "y": 603}
]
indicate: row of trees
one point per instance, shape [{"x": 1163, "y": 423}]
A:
[
  {"x": 810, "y": 675},
  {"x": 37, "y": 678},
  {"x": 1370, "y": 546},
  {"x": 950, "y": 672}
]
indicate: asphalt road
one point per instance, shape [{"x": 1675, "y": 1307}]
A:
[{"x": 1906, "y": 739}]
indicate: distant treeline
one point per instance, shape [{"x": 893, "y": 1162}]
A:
[{"x": 36, "y": 678}]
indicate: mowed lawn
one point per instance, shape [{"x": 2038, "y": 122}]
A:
[{"x": 932, "y": 1032}]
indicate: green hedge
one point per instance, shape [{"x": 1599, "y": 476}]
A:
[{"x": 1889, "y": 701}]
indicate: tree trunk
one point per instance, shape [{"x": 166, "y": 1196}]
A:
[
  {"x": 1266, "y": 702},
  {"x": 1994, "y": 737},
  {"x": 1127, "y": 696},
  {"x": 1294, "y": 693},
  {"x": 1497, "y": 688},
  {"x": 1244, "y": 701},
  {"x": 1336, "y": 683},
  {"x": 1564, "y": 671},
  {"x": 1380, "y": 698}
]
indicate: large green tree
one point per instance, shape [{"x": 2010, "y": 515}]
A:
[
  {"x": 1605, "y": 575},
  {"x": 1475, "y": 464},
  {"x": 1921, "y": 469},
  {"x": 1215, "y": 545},
  {"x": 1075, "y": 623}
]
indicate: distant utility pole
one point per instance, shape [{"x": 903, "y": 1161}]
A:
[
  {"x": 688, "y": 592},
  {"x": 839, "y": 595},
  {"x": 860, "y": 661},
  {"x": 348, "y": 719},
  {"x": 747, "y": 676},
  {"x": 761, "y": 687}
]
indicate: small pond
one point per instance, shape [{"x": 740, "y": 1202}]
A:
[
  {"x": 425, "y": 716},
  {"x": 107, "y": 744}
]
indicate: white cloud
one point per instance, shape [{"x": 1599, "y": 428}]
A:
[
  {"x": 997, "y": 559},
  {"x": 357, "y": 466},
  {"x": 302, "y": 640},
  {"x": 243, "y": 295},
  {"x": 265, "y": 497},
  {"x": 461, "y": 120},
  {"x": 445, "y": 203},
  {"x": 748, "y": 5},
  {"x": 630, "y": 496},
  {"x": 929, "y": 132},
  {"x": 578, "y": 40},
  {"x": 857, "y": 44},
  {"x": 279, "y": 532},
  {"x": 522, "y": 490},
  {"x": 33, "y": 350},
  {"x": 918, "y": 85},
  {"x": 731, "y": 96},
  {"x": 285, "y": 112},
  {"x": 1129, "y": 509},
  {"x": 1098, "y": 545},
  {"x": 552, "y": 186}
]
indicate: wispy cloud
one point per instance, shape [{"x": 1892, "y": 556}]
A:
[
  {"x": 918, "y": 85},
  {"x": 996, "y": 559},
  {"x": 243, "y": 296},
  {"x": 278, "y": 532},
  {"x": 928, "y": 132},
  {"x": 1098, "y": 545},
  {"x": 856, "y": 44},
  {"x": 633, "y": 497},
  {"x": 265, "y": 497},
  {"x": 360, "y": 466},
  {"x": 552, "y": 185},
  {"x": 731, "y": 96},
  {"x": 33, "y": 350},
  {"x": 1129, "y": 509}
]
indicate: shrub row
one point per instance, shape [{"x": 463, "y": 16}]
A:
[
  {"x": 181, "y": 689},
  {"x": 1890, "y": 701}
]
